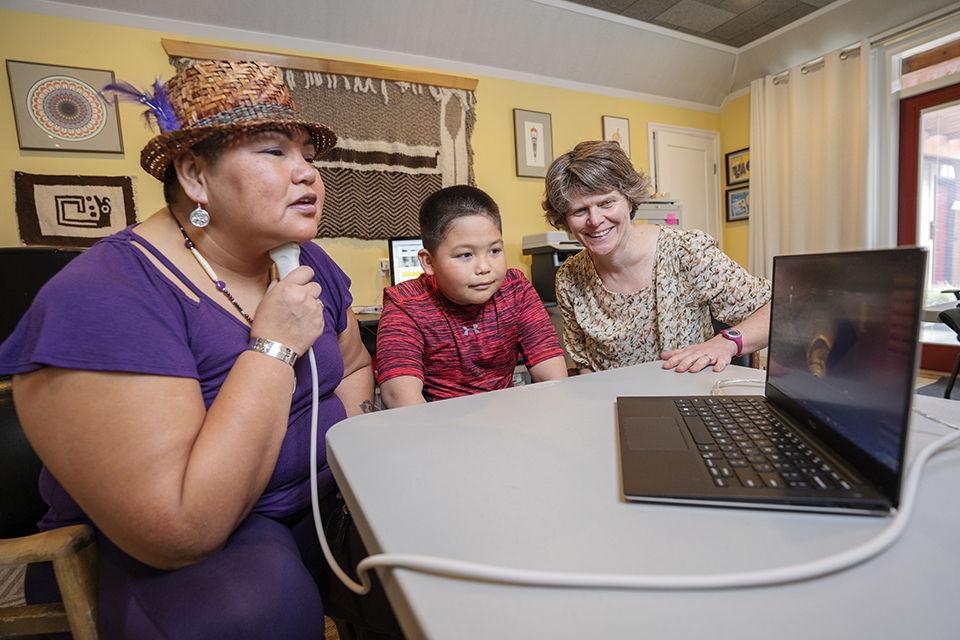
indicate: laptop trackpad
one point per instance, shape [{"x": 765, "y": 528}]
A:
[{"x": 657, "y": 434}]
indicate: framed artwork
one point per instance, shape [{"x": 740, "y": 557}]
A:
[
  {"x": 72, "y": 211},
  {"x": 617, "y": 130},
  {"x": 738, "y": 204},
  {"x": 738, "y": 167},
  {"x": 61, "y": 109},
  {"x": 534, "y": 138}
]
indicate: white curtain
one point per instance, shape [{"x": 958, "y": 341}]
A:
[{"x": 808, "y": 160}]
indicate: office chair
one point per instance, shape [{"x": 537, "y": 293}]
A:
[
  {"x": 951, "y": 318},
  {"x": 73, "y": 550}
]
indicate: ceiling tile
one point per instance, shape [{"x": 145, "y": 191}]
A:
[
  {"x": 737, "y": 6},
  {"x": 724, "y": 21},
  {"x": 614, "y": 6},
  {"x": 785, "y": 18},
  {"x": 647, "y": 10},
  {"x": 769, "y": 9},
  {"x": 696, "y": 16},
  {"x": 751, "y": 34}
]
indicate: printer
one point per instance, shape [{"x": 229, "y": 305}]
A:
[
  {"x": 660, "y": 211},
  {"x": 548, "y": 251}
]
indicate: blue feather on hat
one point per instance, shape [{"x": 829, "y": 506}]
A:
[{"x": 159, "y": 110}]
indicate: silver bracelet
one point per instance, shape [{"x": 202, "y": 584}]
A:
[{"x": 273, "y": 349}]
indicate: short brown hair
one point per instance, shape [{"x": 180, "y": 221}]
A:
[
  {"x": 594, "y": 166},
  {"x": 442, "y": 207}
]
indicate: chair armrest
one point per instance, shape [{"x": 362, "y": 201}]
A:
[
  {"x": 47, "y": 545},
  {"x": 951, "y": 318}
]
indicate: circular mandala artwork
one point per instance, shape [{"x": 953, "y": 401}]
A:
[{"x": 66, "y": 108}]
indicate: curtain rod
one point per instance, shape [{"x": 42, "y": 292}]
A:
[
  {"x": 180, "y": 49},
  {"x": 880, "y": 40},
  {"x": 909, "y": 31},
  {"x": 816, "y": 63}
]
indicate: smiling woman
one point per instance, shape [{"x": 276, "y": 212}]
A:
[
  {"x": 171, "y": 427},
  {"x": 639, "y": 293}
]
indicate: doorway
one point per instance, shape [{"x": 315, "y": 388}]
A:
[
  {"x": 929, "y": 206},
  {"x": 683, "y": 163}
]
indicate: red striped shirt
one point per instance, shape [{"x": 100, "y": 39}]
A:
[{"x": 460, "y": 350}]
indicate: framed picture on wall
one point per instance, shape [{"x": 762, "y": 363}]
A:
[
  {"x": 60, "y": 108},
  {"x": 738, "y": 204},
  {"x": 534, "y": 138},
  {"x": 617, "y": 130},
  {"x": 738, "y": 167}
]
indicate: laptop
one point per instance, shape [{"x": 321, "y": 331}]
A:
[{"x": 830, "y": 432}]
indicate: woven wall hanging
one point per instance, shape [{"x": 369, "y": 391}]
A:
[{"x": 398, "y": 143}]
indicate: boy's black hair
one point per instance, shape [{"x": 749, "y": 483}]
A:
[{"x": 446, "y": 205}]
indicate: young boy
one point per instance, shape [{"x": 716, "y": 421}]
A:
[{"x": 459, "y": 328}]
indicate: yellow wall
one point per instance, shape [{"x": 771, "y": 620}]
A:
[
  {"x": 136, "y": 55},
  {"x": 735, "y": 135}
]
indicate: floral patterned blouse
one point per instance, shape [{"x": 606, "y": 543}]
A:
[{"x": 691, "y": 278}]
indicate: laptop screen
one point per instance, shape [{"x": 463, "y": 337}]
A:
[{"x": 843, "y": 345}]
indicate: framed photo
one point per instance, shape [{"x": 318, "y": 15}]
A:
[
  {"x": 738, "y": 204},
  {"x": 534, "y": 137},
  {"x": 617, "y": 130},
  {"x": 61, "y": 109},
  {"x": 738, "y": 167}
]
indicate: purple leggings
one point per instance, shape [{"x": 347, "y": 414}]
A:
[{"x": 265, "y": 583}]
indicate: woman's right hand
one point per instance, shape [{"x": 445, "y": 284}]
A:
[{"x": 291, "y": 312}]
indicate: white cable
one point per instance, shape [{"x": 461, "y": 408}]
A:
[
  {"x": 489, "y": 573},
  {"x": 718, "y": 389},
  {"x": 364, "y": 587}
]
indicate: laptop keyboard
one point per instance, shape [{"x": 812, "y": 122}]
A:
[{"x": 743, "y": 444}]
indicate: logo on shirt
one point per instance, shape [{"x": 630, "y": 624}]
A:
[{"x": 475, "y": 329}]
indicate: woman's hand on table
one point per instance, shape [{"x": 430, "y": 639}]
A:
[{"x": 716, "y": 352}]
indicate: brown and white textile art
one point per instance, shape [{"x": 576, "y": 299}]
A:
[
  {"x": 398, "y": 143},
  {"x": 72, "y": 211}
]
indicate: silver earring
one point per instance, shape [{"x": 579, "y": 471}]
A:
[{"x": 199, "y": 217}]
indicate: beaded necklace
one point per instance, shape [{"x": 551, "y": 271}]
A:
[{"x": 209, "y": 271}]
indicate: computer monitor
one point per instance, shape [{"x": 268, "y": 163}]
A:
[{"x": 404, "y": 264}]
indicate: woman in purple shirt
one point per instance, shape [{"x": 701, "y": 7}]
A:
[{"x": 153, "y": 376}]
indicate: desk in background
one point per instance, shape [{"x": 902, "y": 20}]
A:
[
  {"x": 528, "y": 477},
  {"x": 368, "y": 330}
]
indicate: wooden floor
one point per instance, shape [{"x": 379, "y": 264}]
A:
[
  {"x": 925, "y": 377},
  {"x": 330, "y": 632}
]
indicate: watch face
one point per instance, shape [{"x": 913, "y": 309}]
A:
[{"x": 731, "y": 333}]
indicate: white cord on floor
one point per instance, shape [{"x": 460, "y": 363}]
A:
[{"x": 503, "y": 575}]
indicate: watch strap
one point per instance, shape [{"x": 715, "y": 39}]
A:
[{"x": 736, "y": 338}]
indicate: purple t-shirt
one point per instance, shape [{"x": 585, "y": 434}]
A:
[{"x": 111, "y": 309}]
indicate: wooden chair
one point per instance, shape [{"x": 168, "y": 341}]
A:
[{"x": 73, "y": 550}]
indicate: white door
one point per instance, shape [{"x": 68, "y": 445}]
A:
[{"x": 684, "y": 163}]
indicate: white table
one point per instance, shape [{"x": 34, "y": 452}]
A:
[{"x": 528, "y": 478}]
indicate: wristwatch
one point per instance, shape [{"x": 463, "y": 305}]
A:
[{"x": 737, "y": 337}]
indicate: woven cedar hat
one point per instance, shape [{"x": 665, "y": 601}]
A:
[{"x": 214, "y": 97}]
